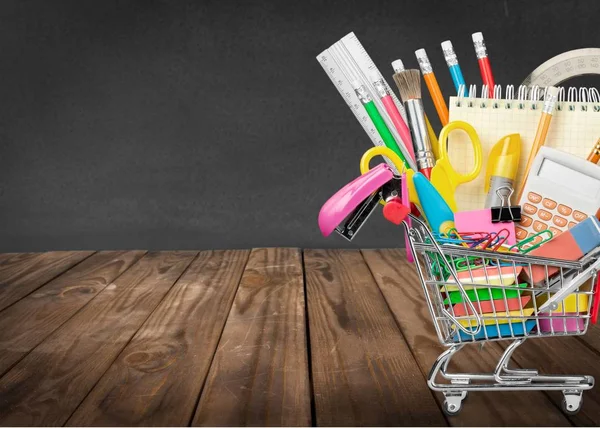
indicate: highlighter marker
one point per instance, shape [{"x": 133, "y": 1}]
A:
[
  {"x": 384, "y": 131},
  {"x": 484, "y": 62},
  {"x": 439, "y": 215},
  {"x": 393, "y": 113},
  {"x": 434, "y": 89},
  {"x": 454, "y": 68},
  {"x": 501, "y": 171}
]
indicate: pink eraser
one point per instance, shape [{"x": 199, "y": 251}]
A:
[{"x": 563, "y": 247}]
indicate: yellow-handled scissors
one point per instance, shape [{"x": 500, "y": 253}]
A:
[
  {"x": 398, "y": 163},
  {"x": 443, "y": 175}
]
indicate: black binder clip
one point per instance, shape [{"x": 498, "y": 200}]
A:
[{"x": 506, "y": 212}]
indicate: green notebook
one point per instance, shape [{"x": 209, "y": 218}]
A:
[{"x": 483, "y": 294}]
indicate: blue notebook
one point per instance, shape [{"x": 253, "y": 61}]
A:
[{"x": 492, "y": 331}]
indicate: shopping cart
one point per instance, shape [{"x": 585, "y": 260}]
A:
[{"x": 479, "y": 295}]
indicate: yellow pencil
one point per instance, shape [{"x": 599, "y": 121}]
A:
[
  {"x": 594, "y": 156},
  {"x": 542, "y": 131}
]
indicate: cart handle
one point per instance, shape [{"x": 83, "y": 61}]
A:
[
  {"x": 553, "y": 302},
  {"x": 454, "y": 275}
]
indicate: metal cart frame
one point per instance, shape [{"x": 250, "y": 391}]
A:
[{"x": 451, "y": 273}]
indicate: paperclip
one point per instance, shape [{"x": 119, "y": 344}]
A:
[
  {"x": 472, "y": 239},
  {"x": 466, "y": 263},
  {"x": 519, "y": 246},
  {"x": 459, "y": 239},
  {"x": 501, "y": 239}
]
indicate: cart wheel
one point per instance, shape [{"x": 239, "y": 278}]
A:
[
  {"x": 451, "y": 408},
  {"x": 571, "y": 404}
]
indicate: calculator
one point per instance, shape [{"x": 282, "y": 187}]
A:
[{"x": 561, "y": 191}]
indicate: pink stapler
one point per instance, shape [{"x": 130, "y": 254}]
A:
[{"x": 347, "y": 210}]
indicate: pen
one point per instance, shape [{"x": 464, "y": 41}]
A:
[
  {"x": 432, "y": 85},
  {"x": 542, "y": 131},
  {"x": 398, "y": 66},
  {"x": 455, "y": 71},
  {"x": 393, "y": 113},
  {"x": 369, "y": 105},
  {"x": 502, "y": 169},
  {"x": 594, "y": 156},
  {"x": 484, "y": 62},
  {"x": 409, "y": 85}
]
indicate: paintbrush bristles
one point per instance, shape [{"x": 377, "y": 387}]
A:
[{"x": 409, "y": 84}]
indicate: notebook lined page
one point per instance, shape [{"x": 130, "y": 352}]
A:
[{"x": 574, "y": 131}]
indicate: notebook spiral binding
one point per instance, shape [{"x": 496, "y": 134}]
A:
[{"x": 571, "y": 99}]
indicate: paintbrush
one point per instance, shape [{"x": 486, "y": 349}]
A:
[{"x": 409, "y": 85}]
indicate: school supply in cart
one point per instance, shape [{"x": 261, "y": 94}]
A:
[
  {"x": 432, "y": 85},
  {"x": 346, "y": 61},
  {"x": 347, "y": 210},
  {"x": 561, "y": 191},
  {"x": 443, "y": 175},
  {"x": 594, "y": 155},
  {"x": 574, "y": 128},
  {"x": 484, "y": 62},
  {"x": 466, "y": 221},
  {"x": 570, "y": 245},
  {"x": 454, "y": 68},
  {"x": 369, "y": 104},
  {"x": 501, "y": 170},
  {"x": 550, "y": 98},
  {"x": 409, "y": 85},
  {"x": 385, "y": 95},
  {"x": 398, "y": 66},
  {"x": 438, "y": 213}
]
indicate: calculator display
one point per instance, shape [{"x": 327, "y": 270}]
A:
[{"x": 567, "y": 177}]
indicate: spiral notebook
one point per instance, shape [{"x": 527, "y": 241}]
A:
[{"x": 574, "y": 129}]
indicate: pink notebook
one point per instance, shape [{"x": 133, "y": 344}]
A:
[{"x": 481, "y": 221}]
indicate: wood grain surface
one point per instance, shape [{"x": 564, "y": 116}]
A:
[
  {"x": 403, "y": 292},
  {"x": 236, "y": 338},
  {"x": 259, "y": 375},
  {"x": 363, "y": 370},
  {"x": 22, "y": 274},
  {"x": 29, "y": 321},
  {"x": 156, "y": 380},
  {"x": 46, "y": 386}
]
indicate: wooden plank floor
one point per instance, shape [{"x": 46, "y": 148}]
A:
[{"x": 274, "y": 336}]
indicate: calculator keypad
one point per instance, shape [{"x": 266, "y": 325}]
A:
[
  {"x": 541, "y": 214},
  {"x": 529, "y": 209},
  {"x": 564, "y": 210},
  {"x": 534, "y": 197},
  {"x": 549, "y": 203}
]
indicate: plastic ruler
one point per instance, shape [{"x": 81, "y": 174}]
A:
[
  {"x": 347, "y": 60},
  {"x": 565, "y": 66}
]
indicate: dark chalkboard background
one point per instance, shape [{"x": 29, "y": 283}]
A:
[{"x": 209, "y": 124}]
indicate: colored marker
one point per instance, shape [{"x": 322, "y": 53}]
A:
[
  {"x": 382, "y": 129},
  {"x": 393, "y": 113},
  {"x": 503, "y": 162}
]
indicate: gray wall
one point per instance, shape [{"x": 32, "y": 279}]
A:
[{"x": 206, "y": 124}]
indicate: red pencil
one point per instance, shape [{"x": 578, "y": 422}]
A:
[{"x": 484, "y": 62}]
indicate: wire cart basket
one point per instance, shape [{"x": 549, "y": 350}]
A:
[{"x": 477, "y": 295}]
